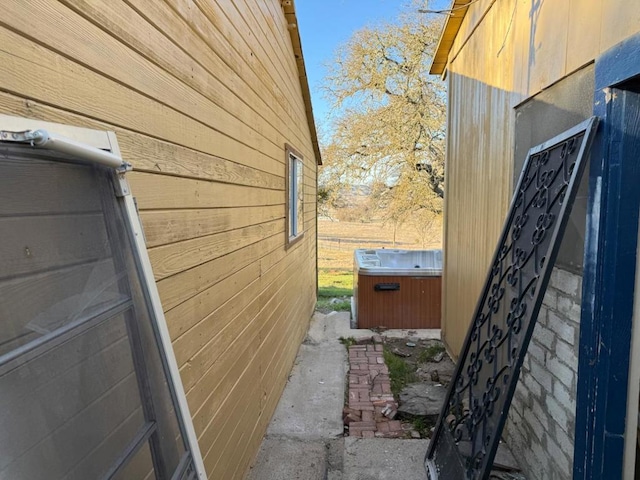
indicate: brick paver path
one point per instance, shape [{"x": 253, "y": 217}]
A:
[{"x": 371, "y": 406}]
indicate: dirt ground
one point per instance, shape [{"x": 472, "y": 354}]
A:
[{"x": 427, "y": 357}]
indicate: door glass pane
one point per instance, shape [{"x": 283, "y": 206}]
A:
[{"x": 81, "y": 373}]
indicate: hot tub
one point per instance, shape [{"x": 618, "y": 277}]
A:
[{"x": 397, "y": 288}]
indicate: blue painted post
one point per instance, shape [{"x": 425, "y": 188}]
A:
[{"x": 609, "y": 267}]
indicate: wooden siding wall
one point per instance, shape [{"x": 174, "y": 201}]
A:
[
  {"x": 506, "y": 52},
  {"x": 203, "y": 95}
]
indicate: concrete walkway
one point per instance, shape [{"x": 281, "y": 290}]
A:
[{"x": 304, "y": 440}]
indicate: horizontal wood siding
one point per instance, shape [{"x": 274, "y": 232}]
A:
[
  {"x": 505, "y": 52},
  {"x": 202, "y": 95}
]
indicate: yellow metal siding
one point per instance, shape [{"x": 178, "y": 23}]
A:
[
  {"x": 203, "y": 96},
  {"x": 505, "y": 52}
]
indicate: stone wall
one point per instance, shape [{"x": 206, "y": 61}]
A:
[{"x": 540, "y": 428}]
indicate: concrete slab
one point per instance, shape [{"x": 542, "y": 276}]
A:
[
  {"x": 382, "y": 459},
  {"x": 284, "y": 458},
  {"x": 341, "y": 324},
  {"x": 311, "y": 404}
]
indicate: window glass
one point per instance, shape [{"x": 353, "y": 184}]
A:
[
  {"x": 295, "y": 196},
  {"x": 83, "y": 387}
]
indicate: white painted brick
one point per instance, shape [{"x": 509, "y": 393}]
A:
[
  {"x": 565, "y": 397},
  {"x": 557, "y": 455},
  {"x": 557, "y": 413},
  {"x": 550, "y": 299},
  {"x": 542, "y": 315},
  {"x": 565, "y": 442},
  {"x": 541, "y": 414},
  {"x": 562, "y": 328},
  {"x": 542, "y": 376},
  {"x": 561, "y": 371},
  {"x": 536, "y": 352},
  {"x": 534, "y": 387},
  {"x": 541, "y": 458},
  {"x": 543, "y": 335},
  {"x": 566, "y": 282},
  {"x": 534, "y": 424},
  {"x": 567, "y": 354},
  {"x": 569, "y": 308}
]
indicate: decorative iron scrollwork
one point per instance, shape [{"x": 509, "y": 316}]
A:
[{"x": 480, "y": 393}]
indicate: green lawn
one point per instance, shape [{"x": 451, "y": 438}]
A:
[{"x": 334, "y": 283}]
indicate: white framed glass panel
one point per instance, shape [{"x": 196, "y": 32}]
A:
[
  {"x": 295, "y": 196},
  {"x": 85, "y": 389}
]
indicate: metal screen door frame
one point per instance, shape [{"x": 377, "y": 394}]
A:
[
  {"x": 95, "y": 142},
  {"x": 481, "y": 420}
]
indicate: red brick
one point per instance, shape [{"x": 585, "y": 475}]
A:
[
  {"x": 371, "y": 348},
  {"x": 370, "y": 425},
  {"x": 379, "y": 348},
  {"x": 377, "y": 389},
  {"x": 357, "y": 347},
  {"x": 386, "y": 387},
  {"x": 395, "y": 426},
  {"x": 350, "y": 418},
  {"x": 368, "y": 434},
  {"x": 355, "y": 433},
  {"x": 382, "y": 427},
  {"x": 364, "y": 406},
  {"x": 367, "y": 416}
]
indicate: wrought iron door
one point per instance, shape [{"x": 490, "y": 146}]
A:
[{"x": 468, "y": 431}]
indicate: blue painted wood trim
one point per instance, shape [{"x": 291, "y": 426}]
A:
[{"x": 609, "y": 268}]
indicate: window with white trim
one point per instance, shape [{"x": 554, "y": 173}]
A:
[{"x": 295, "y": 196}]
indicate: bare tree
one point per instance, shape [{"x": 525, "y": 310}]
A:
[{"x": 389, "y": 129}]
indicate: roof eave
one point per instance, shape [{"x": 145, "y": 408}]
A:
[
  {"x": 451, "y": 28},
  {"x": 290, "y": 15}
]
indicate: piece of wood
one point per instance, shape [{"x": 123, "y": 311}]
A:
[
  {"x": 177, "y": 257},
  {"x": 216, "y": 57},
  {"x": 163, "y": 227},
  {"x": 80, "y": 40},
  {"x": 204, "y": 344},
  {"x": 178, "y": 288},
  {"x": 165, "y": 192},
  {"x": 145, "y": 153},
  {"x": 30, "y": 75}
]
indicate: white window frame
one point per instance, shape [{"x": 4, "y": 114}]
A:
[
  {"x": 100, "y": 146},
  {"x": 294, "y": 189}
]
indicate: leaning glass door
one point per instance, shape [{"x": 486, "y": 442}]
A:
[{"x": 84, "y": 389}]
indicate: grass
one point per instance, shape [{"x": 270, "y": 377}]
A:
[
  {"x": 334, "y": 282},
  {"x": 429, "y": 353},
  {"x": 347, "y": 342},
  {"x": 401, "y": 372},
  {"x": 421, "y": 426}
]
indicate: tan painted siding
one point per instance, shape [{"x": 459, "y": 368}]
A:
[
  {"x": 505, "y": 52},
  {"x": 203, "y": 95}
]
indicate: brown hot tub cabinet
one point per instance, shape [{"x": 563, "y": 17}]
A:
[{"x": 397, "y": 288}]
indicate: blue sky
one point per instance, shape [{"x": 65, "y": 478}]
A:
[{"x": 326, "y": 24}]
